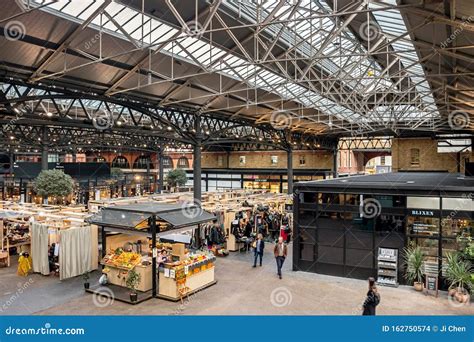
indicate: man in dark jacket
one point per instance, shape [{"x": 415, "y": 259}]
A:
[
  {"x": 259, "y": 247},
  {"x": 280, "y": 251},
  {"x": 372, "y": 299}
]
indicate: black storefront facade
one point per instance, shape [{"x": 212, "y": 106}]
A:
[{"x": 340, "y": 224}]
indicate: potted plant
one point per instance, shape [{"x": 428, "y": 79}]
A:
[
  {"x": 133, "y": 280},
  {"x": 459, "y": 275},
  {"x": 86, "y": 277},
  {"x": 413, "y": 257}
]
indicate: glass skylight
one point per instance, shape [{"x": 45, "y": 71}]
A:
[{"x": 343, "y": 58}]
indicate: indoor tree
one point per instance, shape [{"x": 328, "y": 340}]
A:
[
  {"x": 54, "y": 183},
  {"x": 176, "y": 178}
]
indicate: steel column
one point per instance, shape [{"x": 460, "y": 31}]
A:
[
  {"x": 290, "y": 170},
  {"x": 44, "y": 150}
]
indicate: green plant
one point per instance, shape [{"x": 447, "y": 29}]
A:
[
  {"x": 53, "y": 183},
  {"x": 459, "y": 272},
  {"x": 133, "y": 280},
  {"x": 413, "y": 257},
  {"x": 176, "y": 177}
]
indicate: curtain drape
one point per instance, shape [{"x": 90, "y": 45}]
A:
[
  {"x": 39, "y": 248},
  {"x": 75, "y": 254}
]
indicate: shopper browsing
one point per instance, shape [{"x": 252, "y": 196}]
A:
[
  {"x": 372, "y": 299},
  {"x": 259, "y": 246},
  {"x": 280, "y": 251}
]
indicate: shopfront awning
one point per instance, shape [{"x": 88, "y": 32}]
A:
[
  {"x": 131, "y": 216},
  {"x": 187, "y": 217}
]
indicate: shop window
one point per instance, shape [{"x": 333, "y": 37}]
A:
[
  {"x": 120, "y": 162},
  {"x": 142, "y": 162},
  {"x": 352, "y": 199},
  {"x": 423, "y": 226},
  {"x": 242, "y": 160},
  {"x": 274, "y": 160},
  {"x": 302, "y": 160},
  {"x": 183, "y": 163},
  {"x": 53, "y": 158},
  {"x": 460, "y": 228},
  {"x": 415, "y": 157}
]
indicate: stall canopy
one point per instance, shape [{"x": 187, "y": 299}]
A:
[{"x": 136, "y": 215}]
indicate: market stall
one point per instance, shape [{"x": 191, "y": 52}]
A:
[{"x": 133, "y": 254}]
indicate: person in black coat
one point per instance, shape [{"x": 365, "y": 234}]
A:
[
  {"x": 259, "y": 247},
  {"x": 372, "y": 299}
]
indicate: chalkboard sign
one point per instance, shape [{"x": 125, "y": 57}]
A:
[{"x": 432, "y": 284}]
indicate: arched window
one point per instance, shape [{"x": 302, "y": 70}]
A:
[
  {"x": 120, "y": 162},
  {"x": 167, "y": 162},
  {"x": 183, "y": 163},
  {"x": 99, "y": 159},
  {"x": 142, "y": 162}
]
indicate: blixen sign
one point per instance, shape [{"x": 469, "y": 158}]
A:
[{"x": 422, "y": 213}]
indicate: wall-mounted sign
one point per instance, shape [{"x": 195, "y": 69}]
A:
[{"x": 419, "y": 212}]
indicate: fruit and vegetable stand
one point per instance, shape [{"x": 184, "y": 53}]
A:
[
  {"x": 184, "y": 278},
  {"x": 149, "y": 220}
]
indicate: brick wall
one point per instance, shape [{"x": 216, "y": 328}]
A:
[
  {"x": 429, "y": 158},
  {"x": 263, "y": 160}
]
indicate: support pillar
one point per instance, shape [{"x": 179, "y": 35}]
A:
[
  {"x": 197, "y": 161},
  {"x": 334, "y": 163},
  {"x": 44, "y": 150},
  {"x": 159, "y": 158},
  {"x": 290, "y": 170},
  {"x": 197, "y": 172}
]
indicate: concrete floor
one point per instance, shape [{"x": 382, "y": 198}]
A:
[{"x": 241, "y": 290}]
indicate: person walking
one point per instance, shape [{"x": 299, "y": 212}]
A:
[
  {"x": 280, "y": 251},
  {"x": 372, "y": 299},
  {"x": 258, "y": 251}
]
